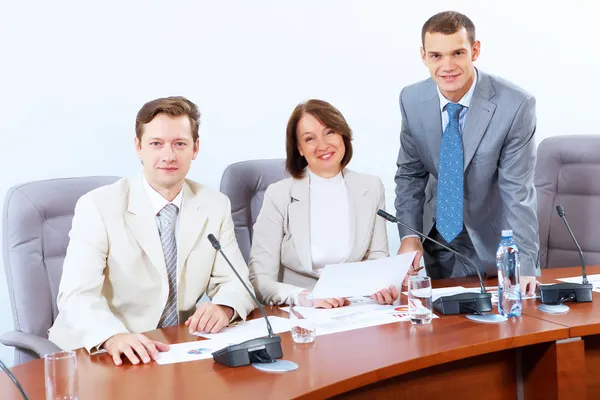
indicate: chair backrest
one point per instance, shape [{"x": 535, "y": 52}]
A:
[
  {"x": 37, "y": 220},
  {"x": 567, "y": 174},
  {"x": 245, "y": 184}
]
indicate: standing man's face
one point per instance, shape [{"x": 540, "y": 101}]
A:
[{"x": 450, "y": 61}]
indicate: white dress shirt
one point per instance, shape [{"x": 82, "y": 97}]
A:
[
  {"x": 465, "y": 101},
  {"x": 329, "y": 220},
  {"x": 158, "y": 202}
]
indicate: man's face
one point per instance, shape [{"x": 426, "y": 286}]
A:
[
  {"x": 450, "y": 61},
  {"x": 167, "y": 150}
]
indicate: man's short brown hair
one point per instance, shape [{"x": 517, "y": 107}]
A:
[
  {"x": 447, "y": 23},
  {"x": 329, "y": 116},
  {"x": 175, "y": 106}
]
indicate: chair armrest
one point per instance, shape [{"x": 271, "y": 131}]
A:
[{"x": 27, "y": 341}]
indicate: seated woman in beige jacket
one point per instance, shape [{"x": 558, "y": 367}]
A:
[{"x": 324, "y": 214}]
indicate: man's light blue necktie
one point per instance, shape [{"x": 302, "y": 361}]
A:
[{"x": 449, "y": 222}]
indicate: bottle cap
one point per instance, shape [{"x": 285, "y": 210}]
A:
[{"x": 507, "y": 233}]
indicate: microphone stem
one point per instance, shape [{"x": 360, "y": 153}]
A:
[
  {"x": 391, "y": 218},
  {"x": 471, "y": 263},
  {"x": 584, "y": 274},
  {"x": 262, "y": 310}
]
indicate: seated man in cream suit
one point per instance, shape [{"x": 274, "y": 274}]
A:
[
  {"x": 139, "y": 258},
  {"x": 324, "y": 214}
]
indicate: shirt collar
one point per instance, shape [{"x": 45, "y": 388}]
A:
[
  {"x": 466, "y": 99},
  {"x": 157, "y": 201}
]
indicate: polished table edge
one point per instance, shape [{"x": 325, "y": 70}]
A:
[
  {"x": 366, "y": 377},
  {"x": 373, "y": 375},
  {"x": 576, "y": 319}
]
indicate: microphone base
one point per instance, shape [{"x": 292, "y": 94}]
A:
[
  {"x": 464, "y": 303},
  {"x": 259, "y": 350},
  {"x": 488, "y": 318},
  {"x": 553, "y": 294},
  {"x": 276, "y": 366}
]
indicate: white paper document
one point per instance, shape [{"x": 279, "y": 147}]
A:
[
  {"x": 593, "y": 279},
  {"x": 362, "y": 278},
  {"x": 355, "y": 316},
  {"x": 449, "y": 291},
  {"x": 246, "y": 330},
  {"x": 190, "y": 351}
]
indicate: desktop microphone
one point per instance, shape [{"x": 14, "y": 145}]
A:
[
  {"x": 260, "y": 350},
  {"x": 459, "y": 303},
  {"x": 559, "y": 293}
]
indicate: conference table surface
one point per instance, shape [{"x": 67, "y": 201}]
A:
[
  {"x": 334, "y": 364},
  {"x": 582, "y": 319}
]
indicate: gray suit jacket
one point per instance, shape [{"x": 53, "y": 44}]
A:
[
  {"x": 280, "y": 258},
  {"x": 499, "y": 160}
]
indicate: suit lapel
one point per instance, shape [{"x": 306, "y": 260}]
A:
[
  {"x": 299, "y": 217},
  {"x": 192, "y": 219},
  {"x": 141, "y": 221},
  {"x": 432, "y": 124},
  {"x": 360, "y": 221},
  {"x": 478, "y": 117}
]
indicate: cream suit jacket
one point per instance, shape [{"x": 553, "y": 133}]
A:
[
  {"x": 114, "y": 275},
  {"x": 280, "y": 257}
]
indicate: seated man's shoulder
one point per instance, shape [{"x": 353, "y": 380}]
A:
[
  {"x": 208, "y": 196},
  {"x": 109, "y": 197}
]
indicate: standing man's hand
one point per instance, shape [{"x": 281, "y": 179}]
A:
[
  {"x": 412, "y": 244},
  {"x": 529, "y": 285}
]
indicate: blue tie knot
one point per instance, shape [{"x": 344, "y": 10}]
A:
[{"x": 453, "y": 110}]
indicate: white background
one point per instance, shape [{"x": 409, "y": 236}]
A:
[{"x": 74, "y": 74}]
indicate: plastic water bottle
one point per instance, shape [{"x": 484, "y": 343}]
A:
[{"x": 509, "y": 268}]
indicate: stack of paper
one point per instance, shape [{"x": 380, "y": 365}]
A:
[{"x": 593, "y": 279}]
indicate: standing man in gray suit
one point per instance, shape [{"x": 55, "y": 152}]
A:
[{"x": 466, "y": 161}]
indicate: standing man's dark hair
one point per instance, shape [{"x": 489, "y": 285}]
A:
[{"x": 448, "y": 22}]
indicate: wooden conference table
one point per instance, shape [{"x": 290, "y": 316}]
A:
[{"x": 535, "y": 356}]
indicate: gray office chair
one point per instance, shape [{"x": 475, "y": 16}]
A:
[
  {"x": 245, "y": 184},
  {"x": 37, "y": 220},
  {"x": 568, "y": 174}
]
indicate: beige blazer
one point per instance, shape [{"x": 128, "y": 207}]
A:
[
  {"x": 114, "y": 275},
  {"x": 280, "y": 258}
]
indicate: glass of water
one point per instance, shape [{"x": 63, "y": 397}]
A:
[
  {"x": 419, "y": 300},
  {"x": 60, "y": 370},
  {"x": 302, "y": 318}
]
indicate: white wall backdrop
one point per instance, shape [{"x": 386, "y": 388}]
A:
[{"x": 74, "y": 74}]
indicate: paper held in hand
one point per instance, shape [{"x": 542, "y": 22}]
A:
[{"x": 362, "y": 278}]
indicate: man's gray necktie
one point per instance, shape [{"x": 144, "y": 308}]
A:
[{"x": 167, "y": 218}]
